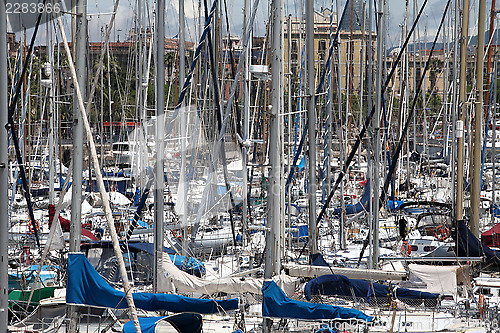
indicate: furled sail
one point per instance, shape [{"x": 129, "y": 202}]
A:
[
  {"x": 86, "y": 286},
  {"x": 183, "y": 323},
  {"x": 339, "y": 285},
  {"x": 276, "y": 304},
  {"x": 170, "y": 276}
]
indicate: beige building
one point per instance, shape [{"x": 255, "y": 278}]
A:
[
  {"x": 438, "y": 77},
  {"x": 352, "y": 42}
]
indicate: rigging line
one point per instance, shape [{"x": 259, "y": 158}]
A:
[
  {"x": 197, "y": 53},
  {"x": 328, "y": 124},
  {"x": 219, "y": 125},
  {"x": 260, "y": 98},
  {"x": 395, "y": 156},
  {"x": 318, "y": 90},
  {"x": 486, "y": 127},
  {"x": 365, "y": 126},
  {"x": 233, "y": 71},
  {"x": 101, "y": 59},
  {"x": 369, "y": 118},
  {"x": 217, "y": 144},
  {"x": 11, "y": 126},
  {"x": 387, "y": 146},
  {"x": 134, "y": 223}
]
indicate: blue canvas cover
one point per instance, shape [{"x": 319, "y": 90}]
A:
[
  {"x": 317, "y": 260},
  {"x": 183, "y": 322},
  {"x": 362, "y": 205},
  {"x": 469, "y": 246},
  {"x": 148, "y": 325},
  {"x": 340, "y": 285},
  {"x": 394, "y": 204},
  {"x": 194, "y": 266},
  {"x": 302, "y": 165},
  {"x": 85, "y": 286},
  {"x": 276, "y": 304}
]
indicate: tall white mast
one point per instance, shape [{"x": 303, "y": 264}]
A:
[
  {"x": 160, "y": 145},
  {"x": 273, "y": 253},
  {"x": 80, "y": 51},
  {"x": 311, "y": 116},
  {"x": 4, "y": 173},
  {"x": 183, "y": 130},
  {"x": 376, "y": 128},
  {"x": 246, "y": 120},
  {"x": 51, "y": 143},
  {"x": 476, "y": 156}
]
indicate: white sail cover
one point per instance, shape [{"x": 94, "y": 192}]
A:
[
  {"x": 439, "y": 279},
  {"x": 172, "y": 279}
]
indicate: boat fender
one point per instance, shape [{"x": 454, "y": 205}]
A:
[
  {"x": 177, "y": 235},
  {"x": 30, "y": 226},
  {"x": 441, "y": 233},
  {"x": 406, "y": 249},
  {"x": 481, "y": 304}
]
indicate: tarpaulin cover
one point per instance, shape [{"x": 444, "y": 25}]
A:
[
  {"x": 339, "y": 285},
  {"x": 491, "y": 237},
  {"x": 170, "y": 276},
  {"x": 302, "y": 164},
  {"x": 440, "y": 279},
  {"x": 86, "y": 286},
  {"x": 276, "y": 304},
  {"x": 317, "y": 259},
  {"x": 65, "y": 223},
  {"x": 362, "y": 205},
  {"x": 183, "y": 322},
  {"x": 469, "y": 246},
  {"x": 193, "y": 266}
]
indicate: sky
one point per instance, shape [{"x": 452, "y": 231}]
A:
[
  {"x": 99, "y": 16},
  {"x": 395, "y": 15}
]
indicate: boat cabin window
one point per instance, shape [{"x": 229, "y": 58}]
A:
[
  {"x": 429, "y": 248},
  {"x": 414, "y": 248},
  {"x": 121, "y": 147},
  {"x": 484, "y": 291}
]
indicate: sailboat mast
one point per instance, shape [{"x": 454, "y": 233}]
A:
[
  {"x": 273, "y": 252},
  {"x": 478, "y": 113},
  {"x": 459, "y": 210},
  {"x": 51, "y": 116},
  {"x": 80, "y": 49},
  {"x": 183, "y": 130},
  {"x": 311, "y": 116},
  {"x": 160, "y": 115},
  {"x": 4, "y": 173},
  {"x": 376, "y": 128},
  {"x": 246, "y": 121}
]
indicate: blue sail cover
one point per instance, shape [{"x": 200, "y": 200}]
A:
[
  {"x": 339, "y": 285},
  {"x": 469, "y": 246},
  {"x": 85, "y": 286},
  {"x": 194, "y": 266},
  {"x": 148, "y": 325},
  {"x": 362, "y": 205},
  {"x": 276, "y": 304},
  {"x": 183, "y": 322}
]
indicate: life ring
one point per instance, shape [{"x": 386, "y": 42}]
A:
[
  {"x": 406, "y": 248},
  {"x": 481, "y": 304},
  {"x": 441, "y": 233},
  {"x": 30, "y": 226},
  {"x": 113, "y": 188},
  {"x": 178, "y": 236}
]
